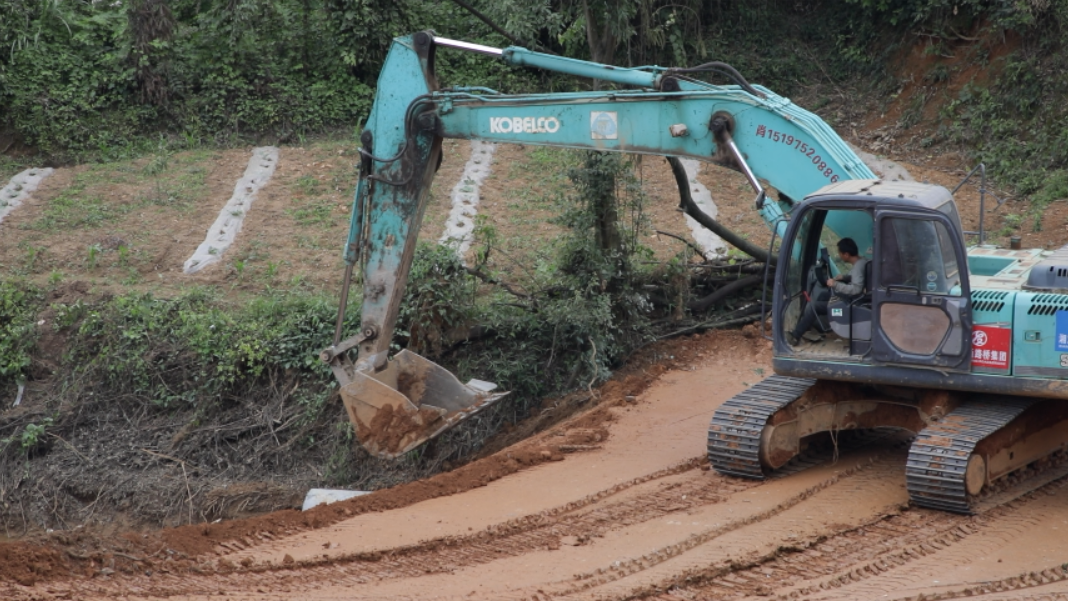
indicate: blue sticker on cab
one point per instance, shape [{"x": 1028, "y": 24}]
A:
[{"x": 1062, "y": 331}]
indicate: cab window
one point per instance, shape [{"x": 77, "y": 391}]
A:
[{"x": 918, "y": 254}]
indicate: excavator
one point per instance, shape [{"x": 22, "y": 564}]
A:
[{"x": 965, "y": 347}]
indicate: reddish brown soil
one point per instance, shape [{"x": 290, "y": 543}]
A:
[
  {"x": 615, "y": 502},
  {"x": 393, "y": 428},
  {"x": 64, "y": 556}
]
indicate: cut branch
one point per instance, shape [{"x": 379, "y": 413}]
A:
[
  {"x": 489, "y": 279},
  {"x": 697, "y": 250},
  {"x": 687, "y": 203},
  {"x": 715, "y": 324},
  {"x": 703, "y": 304}
]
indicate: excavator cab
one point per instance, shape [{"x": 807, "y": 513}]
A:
[
  {"x": 843, "y": 328},
  {"x": 914, "y": 306},
  {"x": 901, "y": 354}
]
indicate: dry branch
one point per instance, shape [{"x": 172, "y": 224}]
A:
[
  {"x": 690, "y": 207},
  {"x": 703, "y": 304}
]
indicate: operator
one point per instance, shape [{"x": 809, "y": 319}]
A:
[{"x": 847, "y": 286}]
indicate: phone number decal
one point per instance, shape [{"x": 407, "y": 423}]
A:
[{"x": 818, "y": 161}]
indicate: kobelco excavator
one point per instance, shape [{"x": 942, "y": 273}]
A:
[{"x": 965, "y": 347}]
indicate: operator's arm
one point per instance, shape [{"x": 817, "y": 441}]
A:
[{"x": 856, "y": 280}]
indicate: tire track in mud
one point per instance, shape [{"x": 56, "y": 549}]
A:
[
  {"x": 843, "y": 565},
  {"x": 1000, "y": 529},
  {"x": 828, "y": 567},
  {"x": 683, "y": 497},
  {"x": 886, "y": 543},
  {"x": 700, "y": 491},
  {"x": 719, "y": 552},
  {"x": 1018, "y": 587},
  {"x": 534, "y": 522},
  {"x": 579, "y": 521},
  {"x": 679, "y": 489}
]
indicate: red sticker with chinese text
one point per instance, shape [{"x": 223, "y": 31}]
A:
[{"x": 991, "y": 346}]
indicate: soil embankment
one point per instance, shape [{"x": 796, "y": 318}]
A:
[{"x": 616, "y": 502}]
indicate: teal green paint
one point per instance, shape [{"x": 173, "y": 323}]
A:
[
  {"x": 521, "y": 57},
  {"x": 988, "y": 266},
  {"x": 782, "y": 143},
  {"x": 1035, "y": 312},
  {"x": 392, "y": 219}
]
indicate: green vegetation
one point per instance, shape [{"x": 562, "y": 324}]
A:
[
  {"x": 9, "y": 166},
  {"x": 90, "y": 78},
  {"x": 1010, "y": 114},
  {"x": 18, "y": 332},
  {"x": 237, "y": 387},
  {"x": 313, "y": 208},
  {"x": 107, "y": 80},
  {"x": 30, "y": 437},
  {"x": 564, "y": 320}
]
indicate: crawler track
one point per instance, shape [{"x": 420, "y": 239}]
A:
[
  {"x": 938, "y": 460},
  {"x": 734, "y": 434}
]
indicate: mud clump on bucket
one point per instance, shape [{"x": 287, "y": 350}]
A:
[
  {"x": 392, "y": 429},
  {"x": 412, "y": 385}
]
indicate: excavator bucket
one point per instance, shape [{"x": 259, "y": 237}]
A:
[{"x": 409, "y": 402}]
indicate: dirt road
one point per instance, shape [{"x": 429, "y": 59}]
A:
[{"x": 619, "y": 504}]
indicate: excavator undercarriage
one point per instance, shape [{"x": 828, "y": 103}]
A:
[{"x": 963, "y": 443}]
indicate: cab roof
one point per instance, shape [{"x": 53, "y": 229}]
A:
[{"x": 902, "y": 193}]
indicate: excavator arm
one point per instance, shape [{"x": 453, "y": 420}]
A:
[{"x": 396, "y": 404}]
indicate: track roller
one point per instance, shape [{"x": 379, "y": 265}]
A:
[
  {"x": 764, "y": 427},
  {"x": 959, "y": 457}
]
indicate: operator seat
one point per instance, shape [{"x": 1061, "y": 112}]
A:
[{"x": 850, "y": 318}]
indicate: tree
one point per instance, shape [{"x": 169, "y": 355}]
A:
[{"x": 151, "y": 27}]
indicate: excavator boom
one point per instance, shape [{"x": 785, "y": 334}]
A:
[{"x": 740, "y": 126}]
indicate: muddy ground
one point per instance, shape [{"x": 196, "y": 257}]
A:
[{"x": 616, "y": 502}]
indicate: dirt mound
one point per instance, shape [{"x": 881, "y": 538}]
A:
[{"x": 26, "y": 563}]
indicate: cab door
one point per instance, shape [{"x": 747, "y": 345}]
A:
[{"x": 921, "y": 295}]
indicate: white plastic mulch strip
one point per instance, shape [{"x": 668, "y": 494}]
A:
[
  {"x": 884, "y": 168},
  {"x": 460, "y": 225},
  {"x": 19, "y": 189},
  {"x": 712, "y": 245},
  {"x": 222, "y": 233},
  {"x": 325, "y": 496}
]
